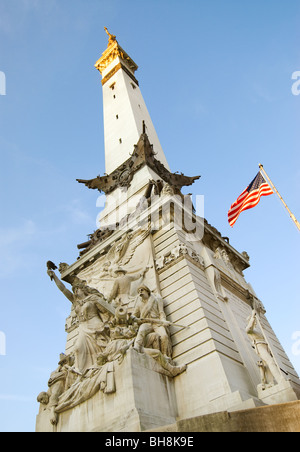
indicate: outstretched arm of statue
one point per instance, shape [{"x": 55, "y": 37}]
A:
[
  {"x": 61, "y": 286},
  {"x": 139, "y": 275}
]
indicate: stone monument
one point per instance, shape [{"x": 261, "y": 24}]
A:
[{"x": 163, "y": 326}]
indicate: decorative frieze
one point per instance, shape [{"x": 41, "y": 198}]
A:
[{"x": 178, "y": 252}]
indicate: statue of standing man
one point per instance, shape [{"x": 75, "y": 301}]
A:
[{"x": 268, "y": 367}]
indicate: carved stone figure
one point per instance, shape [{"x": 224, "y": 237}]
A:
[
  {"x": 222, "y": 254},
  {"x": 111, "y": 37},
  {"x": 97, "y": 378},
  {"x": 121, "y": 269},
  {"x": 93, "y": 314},
  {"x": 60, "y": 380},
  {"x": 160, "y": 262},
  {"x": 122, "y": 334},
  {"x": 121, "y": 253},
  {"x": 121, "y": 289},
  {"x": 149, "y": 312},
  {"x": 95, "y": 238},
  {"x": 218, "y": 281},
  {"x": 105, "y": 334},
  {"x": 267, "y": 364},
  {"x": 165, "y": 362},
  {"x": 178, "y": 250},
  {"x": 63, "y": 267},
  {"x": 168, "y": 190}
]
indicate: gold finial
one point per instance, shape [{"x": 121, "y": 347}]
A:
[{"x": 111, "y": 38}]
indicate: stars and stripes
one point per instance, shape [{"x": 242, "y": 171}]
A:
[{"x": 249, "y": 198}]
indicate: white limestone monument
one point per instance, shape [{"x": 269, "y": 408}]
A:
[{"x": 163, "y": 326}]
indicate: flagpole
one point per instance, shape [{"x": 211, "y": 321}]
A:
[{"x": 262, "y": 170}]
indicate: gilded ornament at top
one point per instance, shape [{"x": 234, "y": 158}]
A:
[
  {"x": 111, "y": 38},
  {"x": 113, "y": 51}
]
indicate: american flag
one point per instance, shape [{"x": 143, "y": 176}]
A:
[{"x": 249, "y": 198}]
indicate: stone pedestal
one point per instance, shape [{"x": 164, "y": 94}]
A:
[
  {"x": 144, "y": 399},
  {"x": 203, "y": 291},
  {"x": 282, "y": 418},
  {"x": 285, "y": 391}
]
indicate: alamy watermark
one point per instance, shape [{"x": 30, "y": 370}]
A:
[
  {"x": 2, "y": 84},
  {"x": 157, "y": 212},
  {"x": 2, "y": 344},
  {"x": 296, "y": 84}
]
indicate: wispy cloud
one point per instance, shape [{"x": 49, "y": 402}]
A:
[{"x": 12, "y": 242}]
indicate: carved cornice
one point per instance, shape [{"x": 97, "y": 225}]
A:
[
  {"x": 235, "y": 288},
  {"x": 143, "y": 154},
  {"x": 213, "y": 239},
  {"x": 115, "y": 69},
  {"x": 178, "y": 253},
  {"x": 113, "y": 51}
]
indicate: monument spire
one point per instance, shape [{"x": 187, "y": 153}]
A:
[
  {"x": 163, "y": 327},
  {"x": 124, "y": 108}
]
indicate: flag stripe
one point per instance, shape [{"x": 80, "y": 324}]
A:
[
  {"x": 249, "y": 198},
  {"x": 247, "y": 203}
]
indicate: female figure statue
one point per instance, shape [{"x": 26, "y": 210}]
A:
[{"x": 93, "y": 314}]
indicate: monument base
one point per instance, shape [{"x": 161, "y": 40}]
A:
[
  {"x": 284, "y": 391},
  {"x": 144, "y": 399},
  {"x": 283, "y": 418}
]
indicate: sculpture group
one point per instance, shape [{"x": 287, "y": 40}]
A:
[
  {"x": 107, "y": 328},
  {"x": 129, "y": 316}
]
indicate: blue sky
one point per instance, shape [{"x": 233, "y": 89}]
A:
[{"x": 216, "y": 76}]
